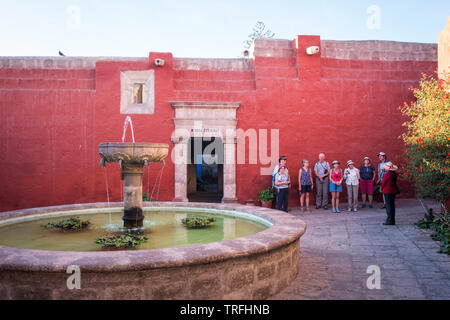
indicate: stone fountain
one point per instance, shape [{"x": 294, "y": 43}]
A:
[
  {"x": 132, "y": 159},
  {"x": 150, "y": 272}
]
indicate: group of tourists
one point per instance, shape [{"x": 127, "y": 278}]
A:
[{"x": 332, "y": 178}]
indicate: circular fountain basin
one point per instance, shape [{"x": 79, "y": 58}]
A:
[
  {"x": 253, "y": 265},
  {"x": 163, "y": 227}
]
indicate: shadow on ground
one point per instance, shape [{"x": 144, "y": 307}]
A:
[{"x": 337, "y": 249}]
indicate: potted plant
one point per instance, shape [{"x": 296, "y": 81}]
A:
[{"x": 266, "y": 197}]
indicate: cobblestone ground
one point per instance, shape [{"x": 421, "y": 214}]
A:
[{"x": 336, "y": 250}]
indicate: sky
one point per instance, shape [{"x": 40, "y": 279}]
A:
[{"x": 198, "y": 28}]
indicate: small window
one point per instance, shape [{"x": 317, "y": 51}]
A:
[{"x": 138, "y": 93}]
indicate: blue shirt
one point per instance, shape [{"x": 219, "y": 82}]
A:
[
  {"x": 380, "y": 169},
  {"x": 305, "y": 179},
  {"x": 320, "y": 167},
  {"x": 366, "y": 173}
]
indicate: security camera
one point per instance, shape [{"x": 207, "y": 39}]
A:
[
  {"x": 159, "y": 62},
  {"x": 312, "y": 50}
]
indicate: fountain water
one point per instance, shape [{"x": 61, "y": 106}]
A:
[
  {"x": 105, "y": 174},
  {"x": 125, "y": 126},
  {"x": 157, "y": 183}
]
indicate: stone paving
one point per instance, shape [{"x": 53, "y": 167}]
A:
[{"x": 336, "y": 250}]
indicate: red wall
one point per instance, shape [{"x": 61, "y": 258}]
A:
[
  {"x": 54, "y": 119},
  {"x": 46, "y": 137}
]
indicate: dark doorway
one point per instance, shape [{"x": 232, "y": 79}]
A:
[{"x": 205, "y": 170}]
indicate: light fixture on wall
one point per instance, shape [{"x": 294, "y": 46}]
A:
[
  {"x": 159, "y": 62},
  {"x": 312, "y": 50}
]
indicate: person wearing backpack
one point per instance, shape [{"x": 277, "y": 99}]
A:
[
  {"x": 321, "y": 169},
  {"x": 281, "y": 161},
  {"x": 282, "y": 183}
]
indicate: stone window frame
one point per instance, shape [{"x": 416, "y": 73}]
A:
[{"x": 127, "y": 81}]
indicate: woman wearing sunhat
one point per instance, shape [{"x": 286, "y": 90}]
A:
[
  {"x": 390, "y": 189},
  {"x": 351, "y": 176},
  {"x": 282, "y": 183},
  {"x": 367, "y": 173},
  {"x": 336, "y": 178}
]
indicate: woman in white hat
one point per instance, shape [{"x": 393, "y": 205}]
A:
[
  {"x": 390, "y": 190},
  {"x": 367, "y": 173},
  {"x": 351, "y": 176}
]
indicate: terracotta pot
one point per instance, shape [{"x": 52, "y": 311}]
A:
[{"x": 266, "y": 204}]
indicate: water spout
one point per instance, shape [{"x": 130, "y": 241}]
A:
[
  {"x": 105, "y": 174},
  {"x": 125, "y": 126}
]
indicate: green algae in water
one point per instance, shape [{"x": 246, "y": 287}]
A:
[
  {"x": 197, "y": 222},
  {"x": 69, "y": 224},
  {"x": 121, "y": 240},
  {"x": 163, "y": 228}
]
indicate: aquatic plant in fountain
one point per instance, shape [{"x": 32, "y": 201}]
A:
[
  {"x": 69, "y": 224},
  {"x": 146, "y": 197},
  {"x": 197, "y": 222},
  {"x": 123, "y": 240}
]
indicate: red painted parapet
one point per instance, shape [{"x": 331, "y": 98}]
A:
[
  {"x": 308, "y": 62},
  {"x": 160, "y": 59}
]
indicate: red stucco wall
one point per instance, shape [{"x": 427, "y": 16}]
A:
[{"x": 342, "y": 102}]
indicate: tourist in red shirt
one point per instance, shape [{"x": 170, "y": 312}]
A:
[
  {"x": 336, "y": 178},
  {"x": 390, "y": 189}
]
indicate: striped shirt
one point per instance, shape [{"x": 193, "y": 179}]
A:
[{"x": 281, "y": 178}]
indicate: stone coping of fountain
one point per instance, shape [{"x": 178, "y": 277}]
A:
[
  {"x": 133, "y": 151},
  {"x": 285, "y": 229},
  {"x": 134, "y": 144}
]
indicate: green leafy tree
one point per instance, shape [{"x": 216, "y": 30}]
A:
[{"x": 427, "y": 138}]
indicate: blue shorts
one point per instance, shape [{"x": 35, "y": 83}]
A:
[
  {"x": 335, "y": 188},
  {"x": 305, "y": 189}
]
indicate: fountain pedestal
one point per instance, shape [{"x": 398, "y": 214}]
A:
[
  {"x": 132, "y": 158},
  {"x": 132, "y": 196}
]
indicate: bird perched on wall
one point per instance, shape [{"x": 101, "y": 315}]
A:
[{"x": 61, "y": 54}]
